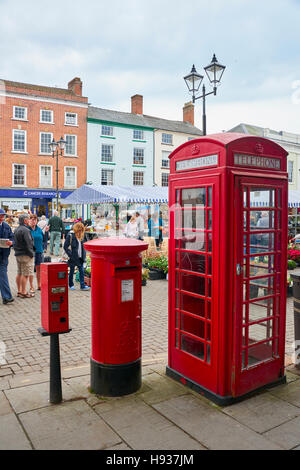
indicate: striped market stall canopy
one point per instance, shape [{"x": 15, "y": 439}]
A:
[
  {"x": 97, "y": 194},
  {"x": 261, "y": 198}
]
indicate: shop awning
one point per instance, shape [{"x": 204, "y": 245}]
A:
[
  {"x": 94, "y": 194},
  {"x": 261, "y": 198}
]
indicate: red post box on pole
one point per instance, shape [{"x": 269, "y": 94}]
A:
[
  {"x": 116, "y": 280},
  {"x": 227, "y": 265}
]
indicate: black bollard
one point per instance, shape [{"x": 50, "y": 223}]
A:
[
  {"x": 296, "y": 294},
  {"x": 55, "y": 373}
]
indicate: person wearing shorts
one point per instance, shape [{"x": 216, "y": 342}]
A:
[
  {"x": 38, "y": 243},
  {"x": 24, "y": 252}
]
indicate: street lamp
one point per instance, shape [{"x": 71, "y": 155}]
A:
[
  {"x": 55, "y": 147},
  {"x": 214, "y": 72}
]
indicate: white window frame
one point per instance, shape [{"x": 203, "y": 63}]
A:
[
  {"x": 13, "y": 175},
  {"x": 13, "y": 141},
  {"x": 139, "y": 156},
  {"x": 141, "y": 172},
  {"x": 164, "y": 141},
  {"x": 111, "y": 172},
  {"x": 65, "y": 177},
  {"x": 113, "y": 151},
  {"x": 18, "y": 118},
  {"x": 48, "y": 111},
  {"x": 138, "y": 138},
  {"x": 111, "y": 132},
  {"x": 76, "y": 119},
  {"x": 75, "y": 149},
  {"x": 49, "y": 151},
  {"x": 290, "y": 171},
  {"x": 164, "y": 174},
  {"x": 165, "y": 158},
  {"x": 51, "y": 176}
]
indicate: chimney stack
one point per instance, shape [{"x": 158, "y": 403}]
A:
[
  {"x": 137, "y": 104},
  {"x": 188, "y": 113},
  {"x": 75, "y": 86}
]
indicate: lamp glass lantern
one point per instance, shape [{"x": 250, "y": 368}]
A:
[
  {"x": 53, "y": 146},
  {"x": 193, "y": 80},
  {"x": 214, "y": 71},
  {"x": 62, "y": 144}
]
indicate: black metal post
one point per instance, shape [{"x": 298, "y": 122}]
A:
[
  {"x": 57, "y": 180},
  {"x": 296, "y": 294},
  {"x": 55, "y": 373},
  {"x": 204, "y": 112}
]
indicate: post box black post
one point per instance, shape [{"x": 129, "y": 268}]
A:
[{"x": 296, "y": 294}]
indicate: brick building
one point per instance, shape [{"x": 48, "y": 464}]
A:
[{"x": 31, "y": 116}]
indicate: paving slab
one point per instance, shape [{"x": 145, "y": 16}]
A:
[
  {"x": 287, "y": 435},
  {"x": 35, "y": 396},
  {"x": 262, "y": 412},
  {"x": 210, "y": 426},
  {"x": 288, "y": 392},
  {"x": 141, "y": 427},
  {"x": 80, "y": 385},
  {"x": 159, "y": 388},
  {"x": 68, "y": 426},
  {"x": 12, "y": 435}
]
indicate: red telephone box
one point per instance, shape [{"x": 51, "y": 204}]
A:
[
  {"x": 116, "y": 266},
  {"x": 227, "y": 264},
  {"x": 54, "y": 294}
]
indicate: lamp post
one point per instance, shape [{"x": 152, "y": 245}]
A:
[
  {"x": 214, "y": 72},
  {"x": 55, "y": 147}
]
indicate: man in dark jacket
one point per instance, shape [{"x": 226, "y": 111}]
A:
[
  {"x": 56, "y": 230},
  {"x": 24, "y": 252},
  {"x": 7, "y": 237}
]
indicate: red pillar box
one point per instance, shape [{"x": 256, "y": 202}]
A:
[
  {"x": 116, "y": 270},
  {"x": 227, "y": 265}
]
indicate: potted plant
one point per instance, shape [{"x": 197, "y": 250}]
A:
[
  {"x": 145, "y": 276},
  {"x": 87, "y": 272},
  {"x": 157, "y": 265},
  {"x": 291, "y": 264}
]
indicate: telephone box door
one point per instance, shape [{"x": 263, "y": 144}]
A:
[
  {"x": 260, "y": 280},
  {"x": 194, "y": 255}
]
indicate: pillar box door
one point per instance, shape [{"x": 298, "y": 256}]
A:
[{"x": 227, "y": 265}]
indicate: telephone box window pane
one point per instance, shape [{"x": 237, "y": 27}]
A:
[
  {"x": 193, "y": 218},
  {"x": 177, "y": 259},
  {"x": 193, "y": 305},
  {"x": 194, "y": 241},
  {"x": 192, "y": 325},
  {"x": 177, "y": 299},
  {"x": 261, "y": 265},
  {"x": 194, "y": 284},
  {"x": 208, "y": 310},
  {"x": 209, "y": 220},
  {"x": 177, "y": 280},
  {"x": 208, "y": 288},
  {"x": 209, "y": 242},
  {"x": 194, "y": 196},
  {"x": 264, "y": 220},
  {"x": 208, "y": 331},
  {"x": 261, "y": 243},
  {"x": 209, "y": 270},
  {"x": 259, "y": 353},
  {"x": 260, "y": 331},
  {"x": 193, "y": 262},
  {"x": 245, "y": 198},
  {"x": 208, "y": 354},
  {"x": 176, "y": 339},
  {"x": 262, "y": 197},
  {"x": 192, "y": 346},
  {"x": 279, "y": 198},
  {"x": 258, "y": 311},
  {"x": 209, "y": 196},
  {"x": 177, "y": 320},
  {"x": 177, "y": 218},
  {"x": 261, "y": 288},
  {"x": 177, "y": 195}
]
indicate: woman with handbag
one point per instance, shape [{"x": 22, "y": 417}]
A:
[{"x": 74, "y": 248}]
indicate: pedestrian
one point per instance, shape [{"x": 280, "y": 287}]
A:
[
  {"x": 131, "y": 228},
  {"x": 38, "y": 240},
  {"x": 56, "y": 229},
  {"x": 140, "y": 226},
  {"x": 43, "y": 224},
  {"x": 24, "y": 252},
  {"x": 6, "y": 238},
  {"x": 74, "y": 248},
  {"x": 156, "y": 226}
]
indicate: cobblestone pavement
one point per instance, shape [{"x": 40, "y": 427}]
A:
[{"x": 24, "y": 350}]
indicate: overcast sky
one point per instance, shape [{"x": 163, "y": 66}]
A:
[{"x": 123, "y": 47}]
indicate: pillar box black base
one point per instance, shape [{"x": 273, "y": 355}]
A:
[{"x": 116, "y": 380}]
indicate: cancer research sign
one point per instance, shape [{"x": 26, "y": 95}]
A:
[{"x": 199, "y": 162}]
